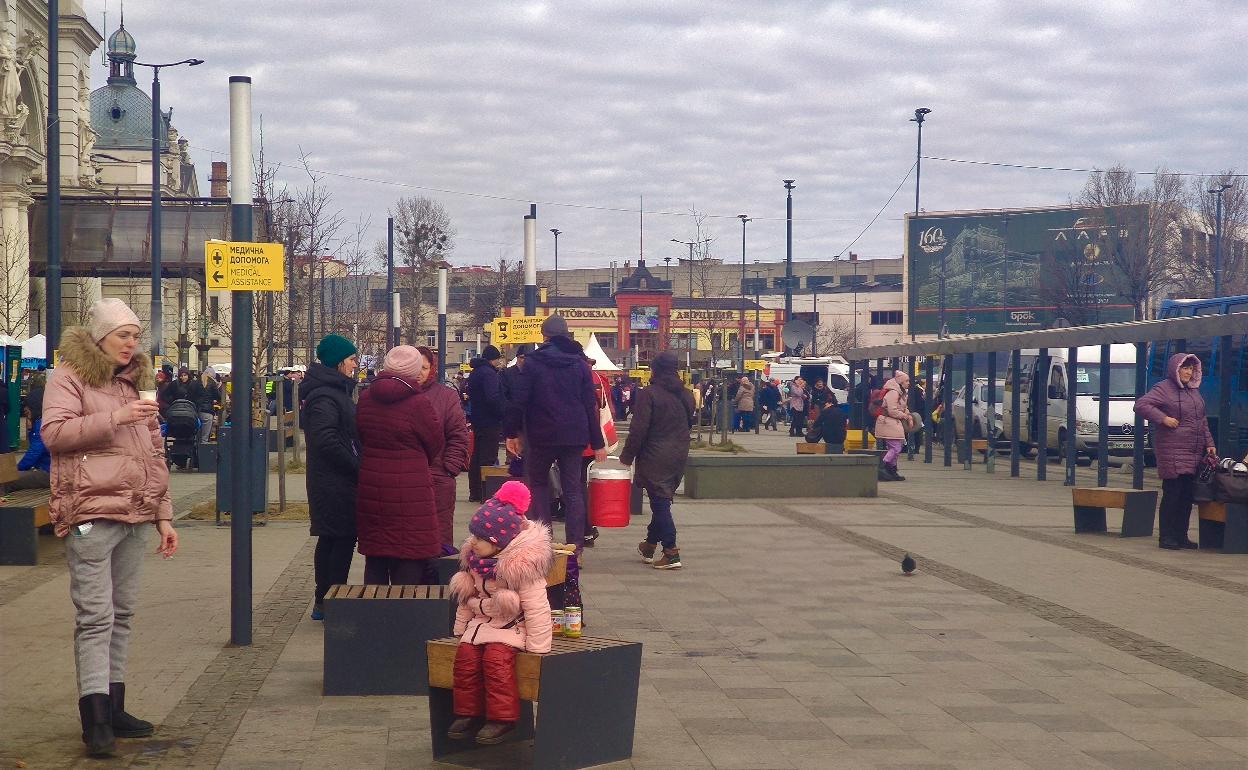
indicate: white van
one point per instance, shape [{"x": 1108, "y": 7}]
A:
[
  {"x": 833, "y": 371},
  {"x": 1053, "y": 385}
]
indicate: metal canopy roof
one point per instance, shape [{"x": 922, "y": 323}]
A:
[{"x": 1070, "y": 337}]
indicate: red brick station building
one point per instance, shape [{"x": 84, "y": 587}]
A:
[{"x": 644, "y": 314}]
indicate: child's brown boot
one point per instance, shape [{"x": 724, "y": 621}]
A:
[
  {"x": 464, "y": 727},
  {"x": 494, "y": 732}
]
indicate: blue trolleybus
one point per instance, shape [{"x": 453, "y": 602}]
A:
[{"x": 1231, "y": 416}]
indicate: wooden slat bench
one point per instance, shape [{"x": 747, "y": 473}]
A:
[
  {"x": 1223, "y": 526},
  {"x": 22, "y": 513},
  {"x": 1139, "y": 509},
  {"x": 374, "y": 637},
  {"x": 587, "y": 689},
  {"x": 807, "y": 448}
]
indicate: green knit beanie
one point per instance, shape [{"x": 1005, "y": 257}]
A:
[{"x": 333, "y": 350}]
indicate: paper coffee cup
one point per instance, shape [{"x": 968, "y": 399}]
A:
[{"x": 147, "y": 395}]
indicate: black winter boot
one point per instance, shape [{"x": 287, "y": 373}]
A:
[
  {"x": 97, "y": 728},
  {"x": 892, "y": 471},
  {"x": 125, "y": 725}
]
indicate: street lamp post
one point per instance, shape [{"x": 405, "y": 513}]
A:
[
  {"x": 668, "y": 262},
  {"x": 758, "y": 296},
  {"x": 920, "y": 115},
  {"x": 556, "y": 233},
  {"x": 788, "y": 251},
  {"x": 157, "y": 320},
  {"x": 741, "y": 330},
  {"x": 1217, "y": 238}
]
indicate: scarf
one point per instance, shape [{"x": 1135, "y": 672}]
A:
[{"x": 487, "y": 568}]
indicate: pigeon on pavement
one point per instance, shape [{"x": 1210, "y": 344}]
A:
[{"x": 907, "y": 565}]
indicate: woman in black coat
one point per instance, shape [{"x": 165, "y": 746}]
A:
[
  {"x": 658, "y": 440},
  {"x": 333, "y": 461}
]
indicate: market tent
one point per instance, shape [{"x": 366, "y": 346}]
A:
[
  {"x": 602, "y": 362},
  {"x": 35, "y": 347}
]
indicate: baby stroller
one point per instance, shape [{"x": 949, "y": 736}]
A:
[{"x": 182, "y": 434}]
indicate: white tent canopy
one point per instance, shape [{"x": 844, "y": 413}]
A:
[
  {"x": 602, "y": 363},
  {"x": 35, "y": 347}
]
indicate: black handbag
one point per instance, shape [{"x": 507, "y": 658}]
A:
[
  {"x": 1230, "y": 486},
  {"x": 1203, "y": 491}
]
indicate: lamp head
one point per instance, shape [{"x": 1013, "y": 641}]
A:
[
  {"x": 919, "y": 114},
  {"x": 788, "y": 184},
  {"x": 557, "y": 232},
  {"x": 195, "y": 62},
  {"x": 744, "y": 218}
]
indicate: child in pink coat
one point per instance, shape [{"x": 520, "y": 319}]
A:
[{"x": 501, "y": 590}]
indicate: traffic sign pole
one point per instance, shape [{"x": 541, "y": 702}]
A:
[{"x": 241, "y": 349}]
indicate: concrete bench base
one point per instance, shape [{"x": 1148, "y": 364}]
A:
[
  {"x": 738, "y": 477},
  {"x": 1139, "y": 509},
  {"x": 20, "y": 519}
]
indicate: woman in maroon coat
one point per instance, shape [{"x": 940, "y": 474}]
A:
[
  {"x": 453, "y": 459},
  {"x": 395, "y": 511},
  {"x": 1181, "y": 438}
]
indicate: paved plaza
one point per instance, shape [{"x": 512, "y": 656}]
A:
[{"x": 789, "y": 640}]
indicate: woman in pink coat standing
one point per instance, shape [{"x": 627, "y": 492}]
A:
[
  {"x": 501, "y": 590},
  {"x": 891, "y": 425}
]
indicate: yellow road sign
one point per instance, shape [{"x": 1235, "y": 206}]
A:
[
  {"x": 641, "y": 375},
  {"x": 755, "y": 366},
  {"x": 517, "y": 330},
  {"x": 239, "y": 266}
]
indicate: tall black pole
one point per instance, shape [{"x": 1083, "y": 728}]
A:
[
  {"x": 788, "y": 251},
  {"x": 1071, "y": 447},
  {"x": 530, "y": 261},
  {"x": 391, "y": 320},
  {"x": 741, "y": 329},
  {"x": 556, "y": 232},
  {"x": 919, "y": 115},
  {"x": 1217, "y": 240},
  {"x": 241, "y": 341},
  {"x": 443, "y": 300},
  {"x": 54, "y": 179},
  {"x": 291, "y": 293},
  {"x": 158, "y": 324}
]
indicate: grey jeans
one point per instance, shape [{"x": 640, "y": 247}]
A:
[
  {"x": 104, "y": 568},
  {"x": 206, "y": 420}
]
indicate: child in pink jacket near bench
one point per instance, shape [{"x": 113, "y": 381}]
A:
[{"x": 501, "y": 591}]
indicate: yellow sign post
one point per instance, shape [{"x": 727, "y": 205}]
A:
[
  {"x": 517, "y": 330},
  {"x": 756, "y": 365},
  {"x": 641, "y": 375},
  {"x": 236, "y": 266}
]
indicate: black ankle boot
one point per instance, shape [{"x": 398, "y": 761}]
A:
[
  {"x": 97, "y": 728},
  {"x": 125, "y": 725}
]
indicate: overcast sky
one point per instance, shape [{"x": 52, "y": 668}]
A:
[{"x": 584, "y": 106}]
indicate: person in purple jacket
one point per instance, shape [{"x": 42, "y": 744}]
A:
[
  {"x": 1181, "y": 438},
  {"x": 554, "y": 405}
]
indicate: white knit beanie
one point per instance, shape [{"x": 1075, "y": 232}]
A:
[{"x": 109, "y": 315}]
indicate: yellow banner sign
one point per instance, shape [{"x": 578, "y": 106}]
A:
[
  {"x": 517, "y": 330},
  {"x": 641, "y": 375},
  {"x": 756, "y": 366},
  {"x": 240, "y": 266}
]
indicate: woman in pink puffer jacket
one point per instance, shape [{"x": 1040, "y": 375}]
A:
[{"x": 501, "y": 590}]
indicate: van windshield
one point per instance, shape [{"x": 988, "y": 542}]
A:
[{"x": 1121, "y": 380}]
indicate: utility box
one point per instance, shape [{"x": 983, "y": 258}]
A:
[{"x": 257, "y": 466}]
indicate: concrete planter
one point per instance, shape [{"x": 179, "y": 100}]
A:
[{"x": 774, "y": 477}]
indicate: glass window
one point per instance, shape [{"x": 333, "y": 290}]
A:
[
  {"x": 601, "y": 289},
  {"x": 853, "y": 280},
  {"x": 606, "y": 340},
  {"x": 459, "y": 335},
  {"x": 885, "y": 317},
  {"x": 1121, "y": 379},
  {"x": 815, "y": 281},
  {"x": 431, "y": 338}
]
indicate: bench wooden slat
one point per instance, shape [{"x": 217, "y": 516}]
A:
[
  {"x": 979, "y": 445},
  {"x": 1104, "y": 497},
  {"x": 355, "y": 592},
  {"x": 490, "y": 471},
  {"x": 8, "y": 468}
]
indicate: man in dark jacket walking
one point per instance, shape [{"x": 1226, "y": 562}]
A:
[
  {"x": 658, "y": 441},
  {"x": 554, "y": 405},
  {"x": 770, "y": 401},
  {"x": 485, "y": 396},
  {"x": 333, "y": 461}
]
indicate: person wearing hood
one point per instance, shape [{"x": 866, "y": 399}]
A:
[
  {"x": 485, "y": 398},
  {"x": 109, "y": 480},
  {"x": 891, "y": 425},
  {"x": 555, "y": 407},
  {"x": 453, "y": 459},
  {"x": 1175, "y": 411},
  {"x": 396, "y": 514},
  {"x": 333, "y": 447},
  {"x": 743, "y": 400},
  {"x": 658, "y": 443}
]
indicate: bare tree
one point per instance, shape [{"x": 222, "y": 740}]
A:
[
  {"x": 1144, "y": 258},
  {"x": 714, "y": 321},
  {"x": 14, "y": 284},
  {"x": 1194, "y": 265},
  {"x": 424, "y": 238},
  {"x": 319, "y": 221},
  {"x": 836, "y": 337}
]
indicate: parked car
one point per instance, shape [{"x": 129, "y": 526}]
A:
[{"x": 979, "y": 410}]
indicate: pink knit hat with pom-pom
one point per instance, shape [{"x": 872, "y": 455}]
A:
[{"x": 502, "y": 516}]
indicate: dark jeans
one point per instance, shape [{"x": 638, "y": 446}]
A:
[
  {"x": 386, "y": 570},
  {"x": 744, "y": 421},
  {"x": 1176, "y": 507},
  {"x": 798, "y": 426},
  {"x": 484, "y": 452},
  {"x": 332, "y": 562},
  {"x": 662, "y": 528},
  {"x": 773, "y": 414},
  {"x": 537, "y": 462}
]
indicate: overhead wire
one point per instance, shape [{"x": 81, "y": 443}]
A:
[{"x": 1031, "y": 167}]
